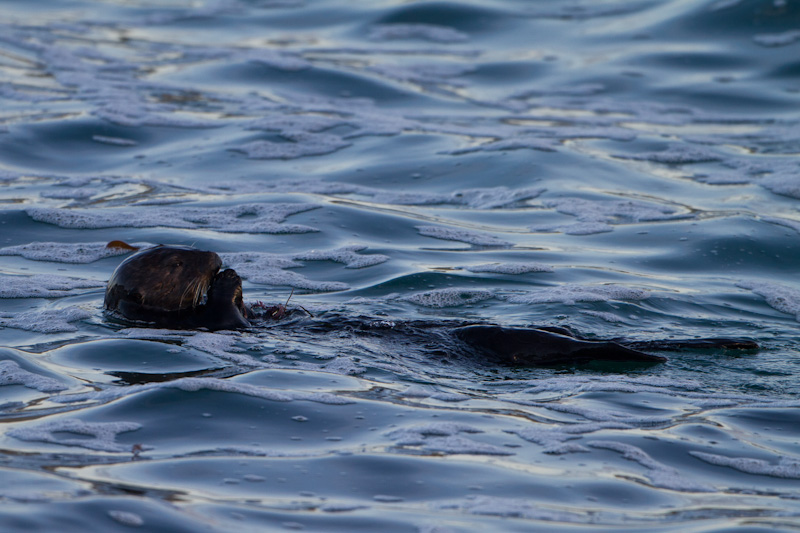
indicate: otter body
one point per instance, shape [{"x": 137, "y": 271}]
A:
[
  {"x": 182, "y": 287},
  {"x": 537, "y": 347}
]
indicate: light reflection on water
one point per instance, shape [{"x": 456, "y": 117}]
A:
[{"x": 623, "y": 169}]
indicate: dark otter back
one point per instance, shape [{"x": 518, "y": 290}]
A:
[{"x": 535, "y": 347}]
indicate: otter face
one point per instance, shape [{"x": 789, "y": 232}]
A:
[{"x": 167, "y": 278}]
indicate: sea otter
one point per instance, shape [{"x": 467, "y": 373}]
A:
[
  {"x": 177, "y": 286},
  {"x": 182, "y": 287}
]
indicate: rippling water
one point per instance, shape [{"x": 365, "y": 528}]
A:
[{"x": 624, "y": 169}]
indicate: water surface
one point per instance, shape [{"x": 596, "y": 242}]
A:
[{"x": 624, "y": 169}]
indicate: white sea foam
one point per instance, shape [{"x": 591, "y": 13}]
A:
[
  {"x": 601, "y": 415},
  {"x": 509, "y": 268},
  {"x": 476, "y": 198},
  {"x": 70, "y": 194},
  {"x": 577, "y": 228},
  {"x": 283, "y": 278},
  {"x": 61, "y": 252},
  {"x": 246, "y": 218},
  {"x": 42, "y": 285},
  {"x": 115, "y": 90},
  {"x": 427, "y": 32},
  {"x": 450, "y": 297},
  {"x": 606, "y": 211},
  {"x": 783, "y": 181},
  {"x": 554, "y": 437},
  {"x": 721, "y": 177},
  {"x": 572, "y": 385},
  {"x": 777, "y": 39},
  {"x": 12, "y": 374},
  {"x": 296, "y": 124},
  {"x": 421, "y": 391},
  {"x": 517, "y": 508},
  {"x": 523, "y": 142},
  {"x": 347, "y": 255},
  {"x": 45, "y": 320},
  {"x": 296, "y": 145},
  {"x": 495, "y": 197},
  {"x": 240, "y": 260},
  {"x": 427, "y": 74},
  {"x": 608, "y": 317},
  {"x": 345, "y": 365},
  {"x": 787, "y": 467},
  {"x": 678, "y": 154},
  {"x": 115, "y": 141},
  {"x": 460, "y": 235},
  {"x": 126, "y": 518},
  {"x": 570, "y": 294},
  {"x": 779, "y": 297},
  {"x": 598, "y": 216},
  {"x": 268, "y": 269},
  {"x": 659, "y": 474},
  {"x": 221, "y": 345},
  {"x": 445, "y": 437},
  {"x": 102, "y": 434}
]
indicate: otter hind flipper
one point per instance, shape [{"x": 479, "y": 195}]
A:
[{"x": 711, "y": 343}]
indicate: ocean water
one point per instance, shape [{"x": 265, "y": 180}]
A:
[{"x": 622, "y": 168}]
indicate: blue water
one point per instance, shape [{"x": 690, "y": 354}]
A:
[{"x": 624, "y": 169}]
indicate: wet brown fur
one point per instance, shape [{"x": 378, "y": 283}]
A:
[{"x": 174, "y": 286}]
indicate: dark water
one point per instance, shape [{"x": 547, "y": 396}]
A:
[{"x": 619, "y": 168}]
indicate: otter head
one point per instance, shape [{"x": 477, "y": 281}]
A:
[{"x": 166, "y": 278}]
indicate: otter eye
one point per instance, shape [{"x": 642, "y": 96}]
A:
[{"x": 178, "y": 263}]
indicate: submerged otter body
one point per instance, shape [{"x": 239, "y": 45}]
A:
[
  {"x": 177, "y": 287},
  {"x": 537, "y": 347},
  {"x": 182, "y": 287}
]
